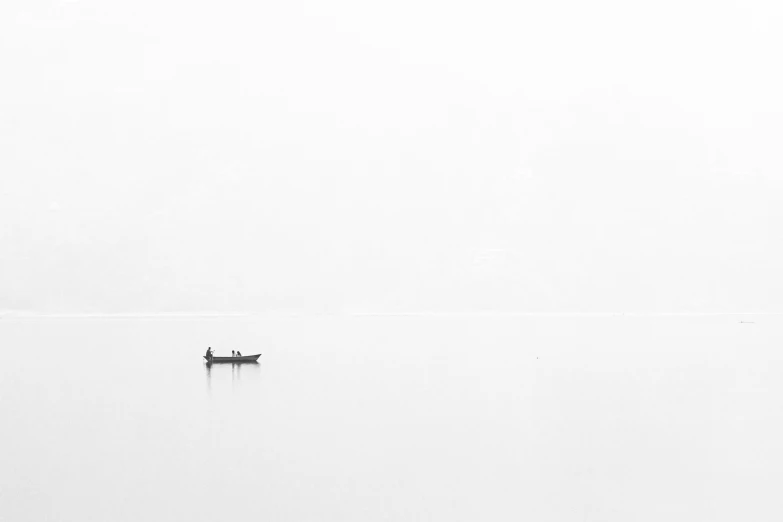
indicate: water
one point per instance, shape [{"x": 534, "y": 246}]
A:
[{"x": 392, "y": 418}]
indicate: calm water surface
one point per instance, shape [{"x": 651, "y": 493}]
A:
[{"x": 392, "y": 418}]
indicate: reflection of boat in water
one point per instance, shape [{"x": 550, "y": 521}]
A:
[{"x": 241, "y": 359}]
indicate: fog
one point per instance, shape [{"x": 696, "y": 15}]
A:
[{"x": 425, "y": 156}]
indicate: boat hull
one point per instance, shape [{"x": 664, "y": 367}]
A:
[{"x": 243, "y": 359}]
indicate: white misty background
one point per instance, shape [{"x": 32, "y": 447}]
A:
[{"x": 170, "y": 156}]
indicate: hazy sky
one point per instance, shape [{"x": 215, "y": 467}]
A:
[{"x": 352, "y": 156}]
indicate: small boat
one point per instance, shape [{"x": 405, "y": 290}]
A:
[{"x": 240, "y": 359}]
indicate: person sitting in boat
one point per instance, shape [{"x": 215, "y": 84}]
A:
[
  {"x": 233, "y": 354},
  {"x": 209, "y": 353},
  {"x": 239, "y": 354}
]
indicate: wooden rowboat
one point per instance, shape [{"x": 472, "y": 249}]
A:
[{"x": 242, "y": 359}]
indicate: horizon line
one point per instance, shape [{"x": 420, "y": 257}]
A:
[{"x": 206, "y": 315}]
